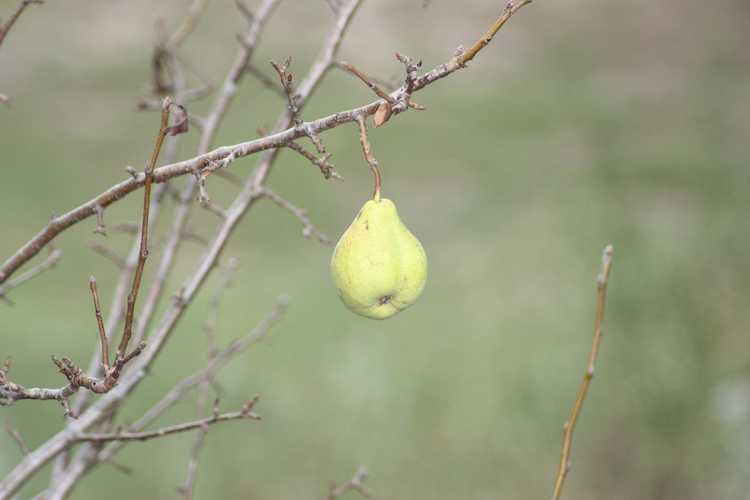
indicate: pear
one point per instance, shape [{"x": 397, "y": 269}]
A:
[{"x": 378, "y": 265}]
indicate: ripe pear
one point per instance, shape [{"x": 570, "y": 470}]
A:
[{"x": 378, "y": 265}]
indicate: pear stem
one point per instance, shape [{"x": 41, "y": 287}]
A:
[{"x": 369, "y": 156}]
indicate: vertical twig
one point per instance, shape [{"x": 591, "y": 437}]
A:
[
  {"x": 570, "y": 424},
  {"x": 143, "y": 254},
  {"x": 100, "y": 323}
]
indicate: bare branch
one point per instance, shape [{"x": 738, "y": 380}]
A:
[
  {"x": 266, "y": 81},
  {"x": 4, "y": 29},
  {"x": 286, "y": 79},
  {"x": 510, "y": 8},
  {"x": 188, "y": 24},
  {"x": 275, "y": 140},
  {"x": 205, "y": 200},
  {"x": 210, "y": 327},
  {"x": 570, "y": 425},
  {"x": 222, "y": 358},
  {"x": 143, "y": 252},
  {"x": 368, "y": 81},
  {"x": 354, "y": 484},
  {"x": 285, "y": 131},
  {"x": 109, "y": 253},
  {"x": 326, "y": 168},
  {"x": 187, "y": 488},
  {"x": 48, "y": 263},
  {"x": 245, "y": 413},
  {"x": 16, "y": 436},
  {"x": 100, "y": 322},
  {"x": 309, "y": 229}
]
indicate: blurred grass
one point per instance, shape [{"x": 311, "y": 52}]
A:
[{"x": 577, "y": 127}]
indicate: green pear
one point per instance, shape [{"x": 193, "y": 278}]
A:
[{"x": 378, "y": 266}]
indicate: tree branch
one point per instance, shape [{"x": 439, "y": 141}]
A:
[
  {"x": 12, "y": 20},
  {"x": 354, "y": 484},
  {"x": 95, "y": 455},
  {"x": 272, "y": 141},
  {"x": 103, "y": 437},
  {"x": 48, "y": 263},
  {"x": 309, "y": 229},
  {"x": 284, "y": 133},
  {"x": 570, "y": 425}
]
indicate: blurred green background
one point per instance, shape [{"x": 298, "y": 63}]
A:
[{"x": 582, "y": 124}]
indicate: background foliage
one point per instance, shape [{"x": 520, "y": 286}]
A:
[{"x": 582, "y": 125}]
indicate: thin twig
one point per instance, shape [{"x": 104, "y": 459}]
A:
[
  {"x": 48, "y": 263},
  {"x": 188, "y": 486},
  {"x": 188, "y": 23},
  {"x": 16, "y": 436},
  {"x": 354, "y": 484},
  {"x": 368, "y": 81},
  {"x": 326, "y": 168},
  {"x": 570, "y": 425},
  {"x": 210, "y": 327},
  {"x": 510, "y": 9},
  {"x": 245, "y": 413},
  {"x": 266, "y": 81},
  {"x": 286, "y": 79},
  {"x": 143, "y": 253},
  {"x": 11, "y": 21},
  {"x": 100, "y": 324},
  {"x": 273, "y": 140},
  {"x": 110, "y": 253},
  {"x": 309, "y": 229}
]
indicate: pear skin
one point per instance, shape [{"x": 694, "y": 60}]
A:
[{"x": 379, "y": 267}]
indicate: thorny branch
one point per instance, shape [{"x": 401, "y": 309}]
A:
[
  {"x": 570, "y": 425},
  {"x": 277, "y": 139}
]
